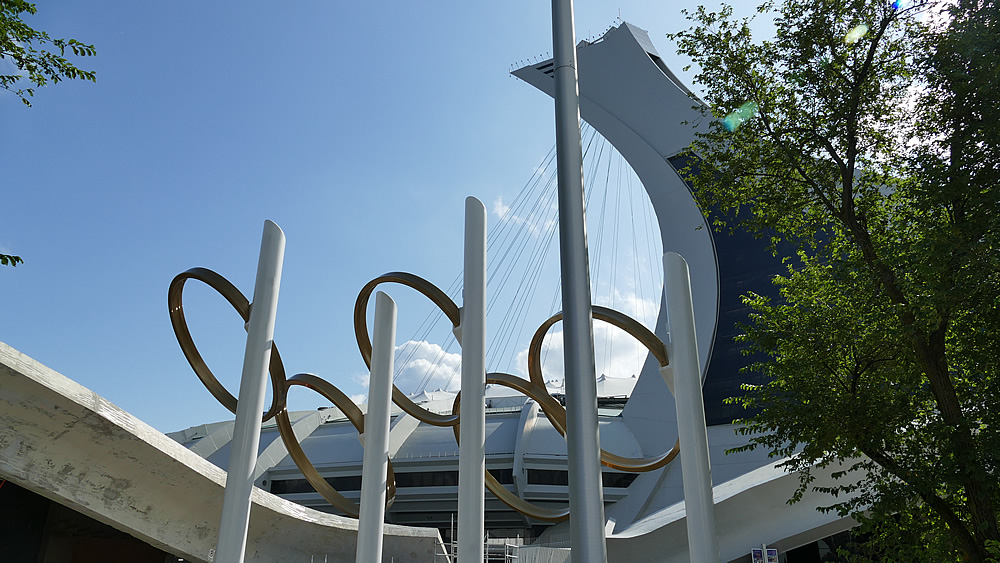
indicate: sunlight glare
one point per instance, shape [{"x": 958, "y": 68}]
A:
[
  {"x": 855, "y": 34},
  {"x": 739, "y": 116}
]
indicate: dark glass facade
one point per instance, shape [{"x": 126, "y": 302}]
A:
[{"x": 745, "y": 264}]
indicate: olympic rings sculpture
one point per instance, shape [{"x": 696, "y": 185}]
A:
[{"x": 534, "y": 387}]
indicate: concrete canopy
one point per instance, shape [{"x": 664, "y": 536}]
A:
[{"x": 69, "y": 444}]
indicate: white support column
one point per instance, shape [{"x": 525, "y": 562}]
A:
[
  {"x": 253, "y": 386},
  {"x": 376, "y": 458},
  {"x": 472, "y": 432},
  {"x": 703, "y": 542}
]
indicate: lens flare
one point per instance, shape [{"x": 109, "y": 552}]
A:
[
  {"x": 897, "y": 4},
  {"x": 739, "y": 116},
  {"x": 855, "y": 34}
]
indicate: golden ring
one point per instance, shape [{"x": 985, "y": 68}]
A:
[
  {"x": 440, "y": 299},
  {"x": 201, "y": 369},
  {"x": 640, "y": 333},
  {"x": 357, "y": 419},
  {"x": 547, "y": 402}
]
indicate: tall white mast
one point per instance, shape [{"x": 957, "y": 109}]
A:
[
  {"x": 586, "y": 494},
  {"x": 472, "y": 430},
  {"x": 253, "y": 386}
]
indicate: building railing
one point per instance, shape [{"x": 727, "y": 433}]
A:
[{"x": 495, "y": 550}]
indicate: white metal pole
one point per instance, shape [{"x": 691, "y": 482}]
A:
[
  {"x": 696, "y": 471},
  {"x": 472, "y": 432},
  {"x": 586, "y": 494},
  {"x": 253, "y": 386},
  {"x": 376, "y": 458}
]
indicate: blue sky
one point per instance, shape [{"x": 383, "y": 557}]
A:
[{"x": 358, "y": 127}]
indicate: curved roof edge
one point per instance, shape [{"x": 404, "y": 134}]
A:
[{"x": 748, "y": 509}]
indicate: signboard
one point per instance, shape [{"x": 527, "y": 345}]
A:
[{"x": 763, "y": 554}]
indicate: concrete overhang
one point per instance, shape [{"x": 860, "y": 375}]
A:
[{"x": 74, "y": 447}]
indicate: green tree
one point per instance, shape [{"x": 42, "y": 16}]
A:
[
  {"x": 24, "y": 47},
  {"x": 865, "y": 133}
]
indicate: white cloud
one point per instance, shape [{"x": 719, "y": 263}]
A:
[
  {"x": 617, "y": 353},
  {"x": 539, "y": 219},
  {"x": 427, "y": 367},
  {"x": 643, "y": 309},
  {"x": 419, "y": 366},
  {"x": 499, "y": 208},
  {"x": 551, "y": 356},
  {"x": 361, "y": 379},
  {"x": 631, "y": 285}
]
